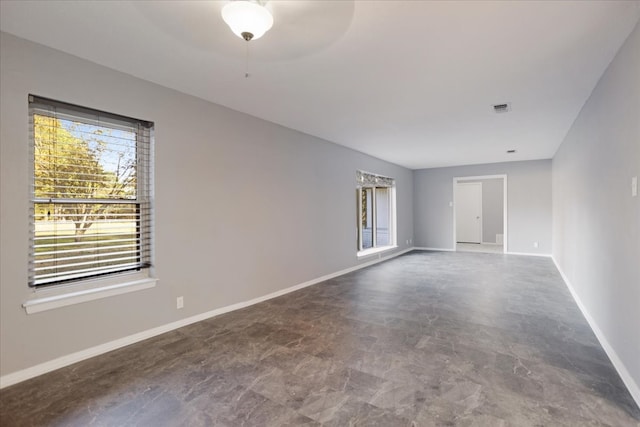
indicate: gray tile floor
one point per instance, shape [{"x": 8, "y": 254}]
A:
[{"x": 426, "y": 339}]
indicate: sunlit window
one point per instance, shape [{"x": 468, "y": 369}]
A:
[
  {"x": 375, "y": 200},
  {"x": 90, "y": 211}
]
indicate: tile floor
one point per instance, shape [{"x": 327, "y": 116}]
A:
[{"x": 426, "y": 339}]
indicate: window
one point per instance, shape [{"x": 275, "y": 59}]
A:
[
  {"x": 376, "y": 206},
  {"x": 90, "y": 212}
]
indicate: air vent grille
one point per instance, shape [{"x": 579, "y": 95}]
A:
[{"x": 502, "y": 108}]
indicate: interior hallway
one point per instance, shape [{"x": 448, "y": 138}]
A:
[{"x": 433, "y": 338}]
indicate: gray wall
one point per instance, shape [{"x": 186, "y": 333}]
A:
[
  {"x": 244, "y": 207},
  {"x": 528, "y": 204},
  {"x": 492, "y": 208},
  {"x": 596, "y": 222}
]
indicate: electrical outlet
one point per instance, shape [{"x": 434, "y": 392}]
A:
[
  {"x": 179, "y": 302},
  {"x": 407, "y": 241},
  {"x": 535, "y": 244}
]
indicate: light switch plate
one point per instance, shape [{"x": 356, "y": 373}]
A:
[{"x": 634, "y": 186}]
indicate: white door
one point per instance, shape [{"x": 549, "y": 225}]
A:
[{"x": 469, "y": 212}]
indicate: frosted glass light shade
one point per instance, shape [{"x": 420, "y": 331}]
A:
[{"x": 244, "y": 16}]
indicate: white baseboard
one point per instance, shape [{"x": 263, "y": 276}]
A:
[
  {"x": 628, "y": 380},
  {"x": 434, "y": 249},
  {"x": 507, "y": 253},
  {"x": 528, "y": 254},
  {"x": 61, "y": 362}
]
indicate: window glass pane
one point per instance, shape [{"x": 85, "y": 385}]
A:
[
  {"x": 383, "y": 237},
  {"x": 78, "y": 160},
  {"x": 82, "y": 239},
  {"x": 367, "y": 218}
]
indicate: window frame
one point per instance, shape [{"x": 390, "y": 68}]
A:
[
  {"x": 366, "y": 180},
  {"x": 96, "y": 284}
]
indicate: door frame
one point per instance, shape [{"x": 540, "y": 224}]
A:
[{"x": 462, "y": 179}]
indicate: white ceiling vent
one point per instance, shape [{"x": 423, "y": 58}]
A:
[{"x": 502, "y": 108}]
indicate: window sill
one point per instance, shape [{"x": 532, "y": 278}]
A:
[
  {"x": 64, "y": 295},
  {"x": 373, "y": 251}
]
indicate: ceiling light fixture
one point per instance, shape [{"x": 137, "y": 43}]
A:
[{"x": 247, "y": 19}]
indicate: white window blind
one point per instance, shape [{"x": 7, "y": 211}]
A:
[{"x": 90, "y": 212}]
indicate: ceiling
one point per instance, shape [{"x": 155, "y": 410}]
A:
[{"x": 411, "y": 82}]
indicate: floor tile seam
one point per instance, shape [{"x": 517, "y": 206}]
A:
[
  {"x": 359, "y": 400},
  {"x": 275, "y": 402}
]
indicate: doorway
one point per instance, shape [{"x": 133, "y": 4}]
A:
[
  {"x": 469, "y": 212},
  {"x": 480, "y": 213}
]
